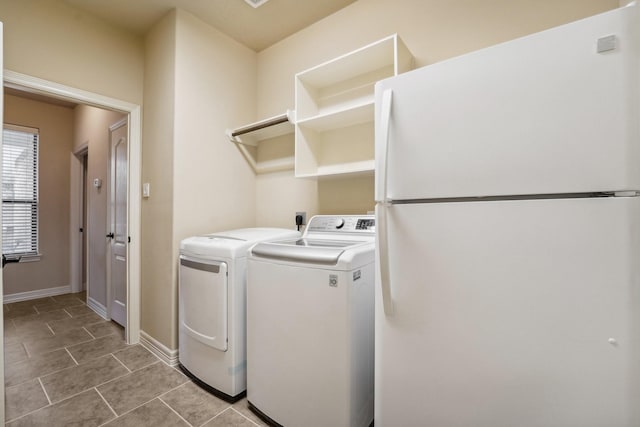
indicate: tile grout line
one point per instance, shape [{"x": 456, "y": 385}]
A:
[
  {"x": 58, "y": 370},
  {"x": 211, "y": 419},
  {"x": 61, "y": 347},
  {"x": 120, "y": 361},
  {"x": 86, "y": 390},
  {"x": 225, "y": 410},
  {"x": 69, "y": 367},
  {"x": 243, "y": 416},
  {"x": 175, "y": 412},
  {"x": 216, "y": 416},
  {"x": 71, "y": 355},
  {"x": 175, "y": 388},
  {"x": 45, "y": 391},
  {"x": 26, "y": 350},
  {"x": 105, "y": 401},
  {"x": 30, "y": 379},
  {"x": 90, "y": 334},
  {"x": 24, "y": 415},
  {"x": 142, "y": 404}
]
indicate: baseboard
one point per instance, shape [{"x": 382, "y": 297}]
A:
[
  {"x": 170, "y": 357},
  {"x": 40, "y": 293},
  {"x": 100, "y": 309}
]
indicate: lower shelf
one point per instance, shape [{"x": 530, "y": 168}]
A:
[{"x": 340, "y": 170}]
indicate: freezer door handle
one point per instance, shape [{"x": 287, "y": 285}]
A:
[
  {"x": 383, "y": 257},
  {"x": 382, "y": 146}
]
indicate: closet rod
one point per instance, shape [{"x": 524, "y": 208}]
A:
[{"x": 261, "y": 125}]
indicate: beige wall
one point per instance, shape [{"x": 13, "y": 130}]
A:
[
  {"x": 215, "y": 90},
  {"x": 91, "y": 130},
  {"x": 56, "y": 42},
  {"x": 158, "y": 291},
  {"x": 200, "y": 82},
  {"x": 56, "y": 137},
  {"x": 432, "y": 29}
]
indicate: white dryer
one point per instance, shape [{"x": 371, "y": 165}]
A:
[
  {"x": 310, "y": 325},
  {"x": 212, "y": 307}
]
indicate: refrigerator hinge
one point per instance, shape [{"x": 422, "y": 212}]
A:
[{"x": 625, "y": 193}]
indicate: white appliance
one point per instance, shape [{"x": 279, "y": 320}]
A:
[
  {"x": 508, "y": 220},
  {"x": 212, "y": 307},
  {"x": 310, "y": 321}
]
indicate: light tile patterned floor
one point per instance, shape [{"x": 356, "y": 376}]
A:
[{"x": 65, "y": 365}]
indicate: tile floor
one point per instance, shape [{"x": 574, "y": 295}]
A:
[{"x": 65, "y": 365}]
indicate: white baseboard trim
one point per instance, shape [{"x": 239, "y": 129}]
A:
[
  {"x": 40, "y": 293},
  {"x": 170, "y": 357},
  {"x": 100, "y": 309}
]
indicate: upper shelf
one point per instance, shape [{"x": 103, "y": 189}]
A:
[
  {"x": 253, "y": 133},
  {"x": 335, "y": 109}
]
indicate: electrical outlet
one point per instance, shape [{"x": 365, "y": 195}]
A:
[{"x": 304, "y": 218}]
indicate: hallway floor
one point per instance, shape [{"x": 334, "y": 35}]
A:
[{"x": 65, "y": 365}]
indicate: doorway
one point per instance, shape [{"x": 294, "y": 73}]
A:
[
  {"x": 54, "y": 90},
  {"x": 83, "y": 229},
  {"x": 78, "y": 220}
]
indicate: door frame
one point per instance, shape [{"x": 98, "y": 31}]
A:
[
  {"x": 76, "y": 217},
  {"x": 56, "y": 90}
]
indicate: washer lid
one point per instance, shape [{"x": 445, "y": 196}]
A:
[
  {"x": 306, "y": 250},
  {"x": 232, "y": 243}
]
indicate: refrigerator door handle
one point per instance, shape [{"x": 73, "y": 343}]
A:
[
  {"x": 382, "y": 146},
  {"x": 382, "y": 242}
]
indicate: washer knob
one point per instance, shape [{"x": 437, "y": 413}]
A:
[{"x": 340, "y": 223}]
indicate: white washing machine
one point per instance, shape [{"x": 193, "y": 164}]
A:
[
  {"x": 212, "y": 307},
  {"x": 310, "y": 325}
]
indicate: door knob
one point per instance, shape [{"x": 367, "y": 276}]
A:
[{"x": 110, "y": 235}]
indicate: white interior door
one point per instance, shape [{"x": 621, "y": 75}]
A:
[{"x": 117, "y": 291}]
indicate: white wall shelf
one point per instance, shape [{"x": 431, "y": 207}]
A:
[
  {"x": 360, "y": 113},
  {"x": 335, "y": 108},
  {"x": 249, "y": 137}
]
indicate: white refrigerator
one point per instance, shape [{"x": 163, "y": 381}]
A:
[{"x": 508, "y": 234}]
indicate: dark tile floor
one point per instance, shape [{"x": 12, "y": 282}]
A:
[{"x": 65, "y": 365}]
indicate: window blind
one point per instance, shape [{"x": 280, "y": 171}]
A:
[{"x": 19, "y": 191}]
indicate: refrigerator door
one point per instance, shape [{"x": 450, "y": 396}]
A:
[
  {"x": 511, "y": 313},
  {"x": 554, "y": 112}
]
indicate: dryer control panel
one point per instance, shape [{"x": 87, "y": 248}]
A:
[{"x": 342, "y": 223}]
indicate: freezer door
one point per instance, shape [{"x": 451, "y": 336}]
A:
[
  {"x": 511, "y": 313},
  {"x": 554, "y": 112}
]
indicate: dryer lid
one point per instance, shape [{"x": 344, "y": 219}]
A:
[{"x": 232, "y": 243}]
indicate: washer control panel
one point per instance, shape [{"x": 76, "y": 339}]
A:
[{"x": 343, "y": 223}]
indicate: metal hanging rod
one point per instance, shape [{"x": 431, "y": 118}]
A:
[{"x": 261, "y": 125}]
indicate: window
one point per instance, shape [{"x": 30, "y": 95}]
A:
[{"x": 19, "y": 191}]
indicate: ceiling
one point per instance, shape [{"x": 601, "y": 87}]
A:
[{"x": 256, "y": 28}]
